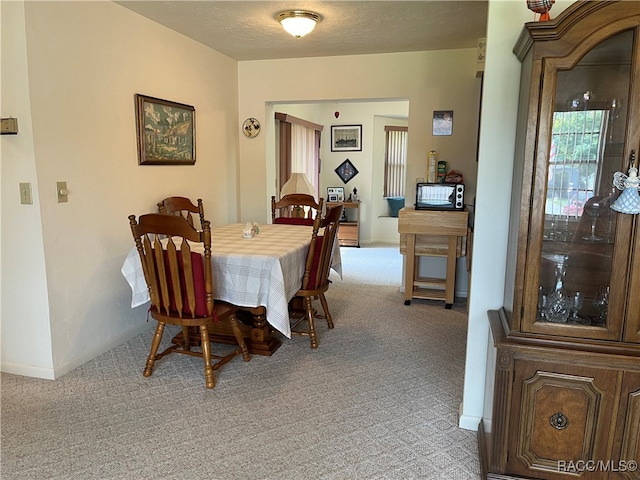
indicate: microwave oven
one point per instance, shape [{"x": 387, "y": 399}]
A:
[{"x": 439, "y": 196}]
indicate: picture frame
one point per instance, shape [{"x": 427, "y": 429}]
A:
[
  {"x": 335, "y": 194},
  {"x": 346, "y": 171},
  {"x": 166, "y": 132},
  {"x": 442, "y": 122},
  {"x": 346, "y": 138}
]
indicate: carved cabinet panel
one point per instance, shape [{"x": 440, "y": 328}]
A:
[{"x": 563, "y": 413}]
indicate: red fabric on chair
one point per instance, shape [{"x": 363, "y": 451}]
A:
[
  {"x": 294, "y": 221},
  {"x": 313, "y": 271},
  {"x": 198, "y": 286}
]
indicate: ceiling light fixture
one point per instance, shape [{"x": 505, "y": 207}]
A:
[{"x": 298, "y": 22}]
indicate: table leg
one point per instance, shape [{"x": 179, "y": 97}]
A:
[
  {"x": 450, "y": 282},
  {"x": 255, "y": 330},
  {"x": 409, "y": 268}
]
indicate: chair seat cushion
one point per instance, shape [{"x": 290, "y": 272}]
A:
[{"x": 294, "y": 221}]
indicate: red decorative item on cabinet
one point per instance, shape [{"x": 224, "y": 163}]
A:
[{"x": 542, "y": 7}]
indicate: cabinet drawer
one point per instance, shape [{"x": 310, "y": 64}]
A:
[
  {"x": 348, "y": 232},
  {"x": 564, "y": 418}
]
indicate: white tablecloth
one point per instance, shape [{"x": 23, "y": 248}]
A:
[{"x": 265, "y": 270}]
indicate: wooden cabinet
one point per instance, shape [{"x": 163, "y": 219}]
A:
[
  {"x": 566, "y": 390},
  {"x": 349, "y": 231}
]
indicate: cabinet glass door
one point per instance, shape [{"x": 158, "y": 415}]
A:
[{"x": 585, "y": 245}]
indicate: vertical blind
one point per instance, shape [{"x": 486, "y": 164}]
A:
[{"x": 395, "y": 160}]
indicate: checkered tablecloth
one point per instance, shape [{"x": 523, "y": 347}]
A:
[{"x": 265, "y": 270}]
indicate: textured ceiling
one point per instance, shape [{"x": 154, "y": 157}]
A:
[{"x": 248, "y": 30}]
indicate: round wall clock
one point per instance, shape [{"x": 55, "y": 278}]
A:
[{"x": 251, "y": 127}]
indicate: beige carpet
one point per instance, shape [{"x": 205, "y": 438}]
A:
[{"x": 377, "y": 400}]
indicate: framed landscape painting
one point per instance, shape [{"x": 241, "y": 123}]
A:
[
  {"x": 166, "y": 132},
  {"x": 346, "y": 138}
]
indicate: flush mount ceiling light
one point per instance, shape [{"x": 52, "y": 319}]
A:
[{"x": 298, "y": 22}]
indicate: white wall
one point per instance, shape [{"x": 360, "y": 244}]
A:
[
  {"x": 24, "y": 314},
  {"x": 373, "y": 116},
  {"x": 70, "y": 74},
  {"x": 495, "y": 159},
  {"x": 441, "y": 80}
]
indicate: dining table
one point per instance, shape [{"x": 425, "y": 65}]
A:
[{"x": 260, "y": 274}]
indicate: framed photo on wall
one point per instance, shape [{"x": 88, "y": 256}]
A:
[
  {"x": 346, "y": 138},
  {"x": 443, "y": 122},
  {"x": 166, "y": 132}
]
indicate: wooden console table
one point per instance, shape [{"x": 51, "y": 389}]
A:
[
  {"x": 434, "y": 234},
  {"x": 349, "y": 230}
]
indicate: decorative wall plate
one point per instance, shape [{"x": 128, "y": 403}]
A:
[
  {"x": 346, "y": 171},
  {"x": 251, "y": 127}
]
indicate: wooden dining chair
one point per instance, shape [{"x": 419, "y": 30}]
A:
[
  {"x": 295, "y": 209},
  {"x": 180, "y": 286},
  {"x": 315, "y": 281},
  {"x": 183, "y": 207}
]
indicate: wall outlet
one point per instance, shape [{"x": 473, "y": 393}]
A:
[{"x": 25, "y": 194}]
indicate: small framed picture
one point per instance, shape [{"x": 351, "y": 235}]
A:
[
  {"x": 166, "y": 132},
  {"x": 442, "y": 122},
  {"x": 335, "y": 194},
  {"x": 346, "y": 171},
  {"x": 346, "y": 138}
]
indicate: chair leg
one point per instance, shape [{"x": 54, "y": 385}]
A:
[
  {"x": 186, "y": 339},
  {"x": 155, "y": 343},
  {"x": 239, "y": 338},
  {"x": 325, "y": 307},
  {"x": 308, "y": 308},
  {"x": 206, "y": 354}
]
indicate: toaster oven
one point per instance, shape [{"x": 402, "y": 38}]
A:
[{"x": 439, "y": 196}]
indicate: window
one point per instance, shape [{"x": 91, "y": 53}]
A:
[
  {"x": 576, "y": 154},
  {"x": 298, "y": 149},
  {"x": 395, "y": 160}
]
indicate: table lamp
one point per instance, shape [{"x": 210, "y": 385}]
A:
[{"x": 298, "y": 183}]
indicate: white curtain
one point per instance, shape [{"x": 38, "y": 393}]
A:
[
  {"x": 304, "y": 153},
  {"x": 395, "y": 161}
]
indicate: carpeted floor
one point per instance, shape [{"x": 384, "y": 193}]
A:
[{"x": 377, "y": 400}]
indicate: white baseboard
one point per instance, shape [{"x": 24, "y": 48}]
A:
[
  {"x": 469, "y": 422},
  {"x": 28, "y": 371},
  {"x": 60, "y": 370},
  {"x": 74, "y": 363}
]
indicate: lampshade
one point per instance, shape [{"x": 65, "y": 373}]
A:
[
  {"x": 298, "y": 22},
  {"x": 297, "y": 183}
]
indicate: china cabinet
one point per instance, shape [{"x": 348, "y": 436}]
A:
[{"x": 566, "y": 389}]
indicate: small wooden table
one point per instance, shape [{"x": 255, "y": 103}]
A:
[
  {"x": 349, "y": 231},
  {"x": 435, "y": 234}
]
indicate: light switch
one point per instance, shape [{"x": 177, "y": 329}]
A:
[
  {"x": 61, "y": 191},
  {"x": 25, "y": 194},
  {"x": 8, "y": 126}
]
